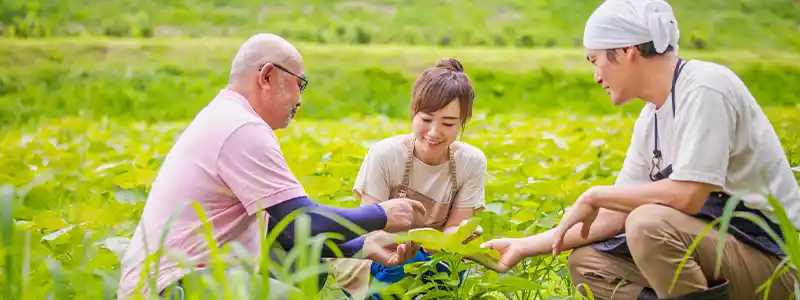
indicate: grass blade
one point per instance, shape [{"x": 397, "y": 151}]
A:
[
  {"x": 725, "y": 221},
  {"x": 7, "y": 233}
]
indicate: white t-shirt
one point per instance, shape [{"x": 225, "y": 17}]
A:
[
  {"x": 384, "y": 165},
  {"x": 719, "y": 136}
]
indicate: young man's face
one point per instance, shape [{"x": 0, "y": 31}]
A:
[{"x": 614, "y": 74}]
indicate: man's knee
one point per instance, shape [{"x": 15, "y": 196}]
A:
[
  {"x": 647, "y": 222},
  {"x": 599, "y": 272},
  {"x": 583, "y": 260}
]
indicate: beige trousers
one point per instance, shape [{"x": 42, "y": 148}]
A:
[{"x": 658, "y": 237}]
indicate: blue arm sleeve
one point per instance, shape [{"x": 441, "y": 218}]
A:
[
  {"x": 369, "y": 217},
  {"x": 348, "y": 248}
]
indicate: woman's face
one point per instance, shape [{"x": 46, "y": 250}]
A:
[{"x": 436, "y": 131}]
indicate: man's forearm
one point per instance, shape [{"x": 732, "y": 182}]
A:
[
  {"x": 607, "y": 224},
  {"x": 368, "y": 217},
  {"x": 348, "y": 248},
  {"x": 684, "y": 196}
]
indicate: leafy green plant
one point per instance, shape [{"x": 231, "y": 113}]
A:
[{"x": 78, "y": 186}]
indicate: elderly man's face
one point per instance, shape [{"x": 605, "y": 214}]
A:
[{"x": 282, "y": 98}]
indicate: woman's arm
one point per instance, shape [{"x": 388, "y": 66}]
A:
[
  {"x": 372, "y": 184},
  {"x": 457, "y": 216},
  {"x": 471, "y": 196}
]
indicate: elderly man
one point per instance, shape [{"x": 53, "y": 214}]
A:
[
  {"x": 229, "y": 161},
  {"x": 700, "y": 139}
]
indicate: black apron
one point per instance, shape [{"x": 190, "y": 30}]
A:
[{"x": 742, "y": 229}]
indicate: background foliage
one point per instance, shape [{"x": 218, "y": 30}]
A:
[{"x": 710, "y": 24}]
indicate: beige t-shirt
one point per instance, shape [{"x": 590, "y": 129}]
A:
[
  {"x": 384, "y": 165},
  {"x": 720, "y": 136}
]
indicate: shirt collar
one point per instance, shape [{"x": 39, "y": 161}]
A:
[{"x": 229, "y": 94}]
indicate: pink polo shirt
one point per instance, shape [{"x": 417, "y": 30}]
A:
[{"x": 230, "y": 162}]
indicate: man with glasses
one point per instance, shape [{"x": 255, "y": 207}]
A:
[
  {"x": 700, "y": 139},
  {"x": 229, "y": 161}
]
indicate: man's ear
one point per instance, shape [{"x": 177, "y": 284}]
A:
[
  {"x": 631, "y": 53},
  {"x": 264, "y": 79}
]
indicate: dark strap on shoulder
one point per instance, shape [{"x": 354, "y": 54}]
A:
[{"x": 657, "y": 156}]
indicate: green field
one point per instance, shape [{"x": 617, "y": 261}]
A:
[
  {"x": 159, "y": 80},
  {"x": 709, "y": 24},
  {"x": 85, "y": 122}
]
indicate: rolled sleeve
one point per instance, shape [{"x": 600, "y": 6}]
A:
[
  {"x": 472, "y": 193},
  {"x": 373, "y": 177},
  {"x": 635, "y": 170},
  {"x": 253, "y": 167},
  {"x": 704, "y": 129}
]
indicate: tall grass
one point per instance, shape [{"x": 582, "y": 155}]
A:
[{"x": 231, "y": 274}]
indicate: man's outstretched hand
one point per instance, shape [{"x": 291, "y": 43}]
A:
[{"x": 511, "y": 253}]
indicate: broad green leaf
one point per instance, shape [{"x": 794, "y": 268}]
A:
[
  {"x": 427, "y": 237},
  {"x": 464, "y": 231},
  {"x": 55, "y": 235},
  {"x": 49, "y": 220}
]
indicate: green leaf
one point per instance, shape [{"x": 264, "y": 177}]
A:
[
  {"x": 464, "y": 231},
  {"x": 49, "y": 220},
  {"x": 427, "y": 237},
  {"x": 513, "y": 283}
]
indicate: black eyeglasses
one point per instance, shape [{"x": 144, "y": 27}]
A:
[{"x": 303, "y": 81}]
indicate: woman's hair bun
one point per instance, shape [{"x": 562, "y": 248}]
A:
[{"x": 451, "y": 64}]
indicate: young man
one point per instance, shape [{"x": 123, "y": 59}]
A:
[
  {"x": 700, "y": 139},
  {"x": 229, "y": 161}
]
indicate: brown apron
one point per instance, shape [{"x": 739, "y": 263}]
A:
[
  {"x": 353, "y": 274},
  {"x": 437, "y": 213}
]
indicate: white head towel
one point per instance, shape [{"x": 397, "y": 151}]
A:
[{"x": 623, "y": 23}]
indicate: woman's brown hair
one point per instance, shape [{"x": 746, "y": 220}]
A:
[{"x": 436, "y": 87}]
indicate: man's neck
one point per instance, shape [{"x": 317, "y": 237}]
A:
[
  {"x": 246, "y": 93},
  {"x": 249, "y": 96},
  {"x": 656, "y": 82}
]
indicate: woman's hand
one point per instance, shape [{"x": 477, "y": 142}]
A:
[{"x": 381, "y": 247}]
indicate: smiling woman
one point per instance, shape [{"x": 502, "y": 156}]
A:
[{"x": 428, "y": 165}]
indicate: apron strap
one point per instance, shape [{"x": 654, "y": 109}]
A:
[
  {"x": 409, "y": 161},
  {"x": 452, "y": 161},
  {"x": 655, "y": 163},
  {"x": 453, "y": 181}
]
